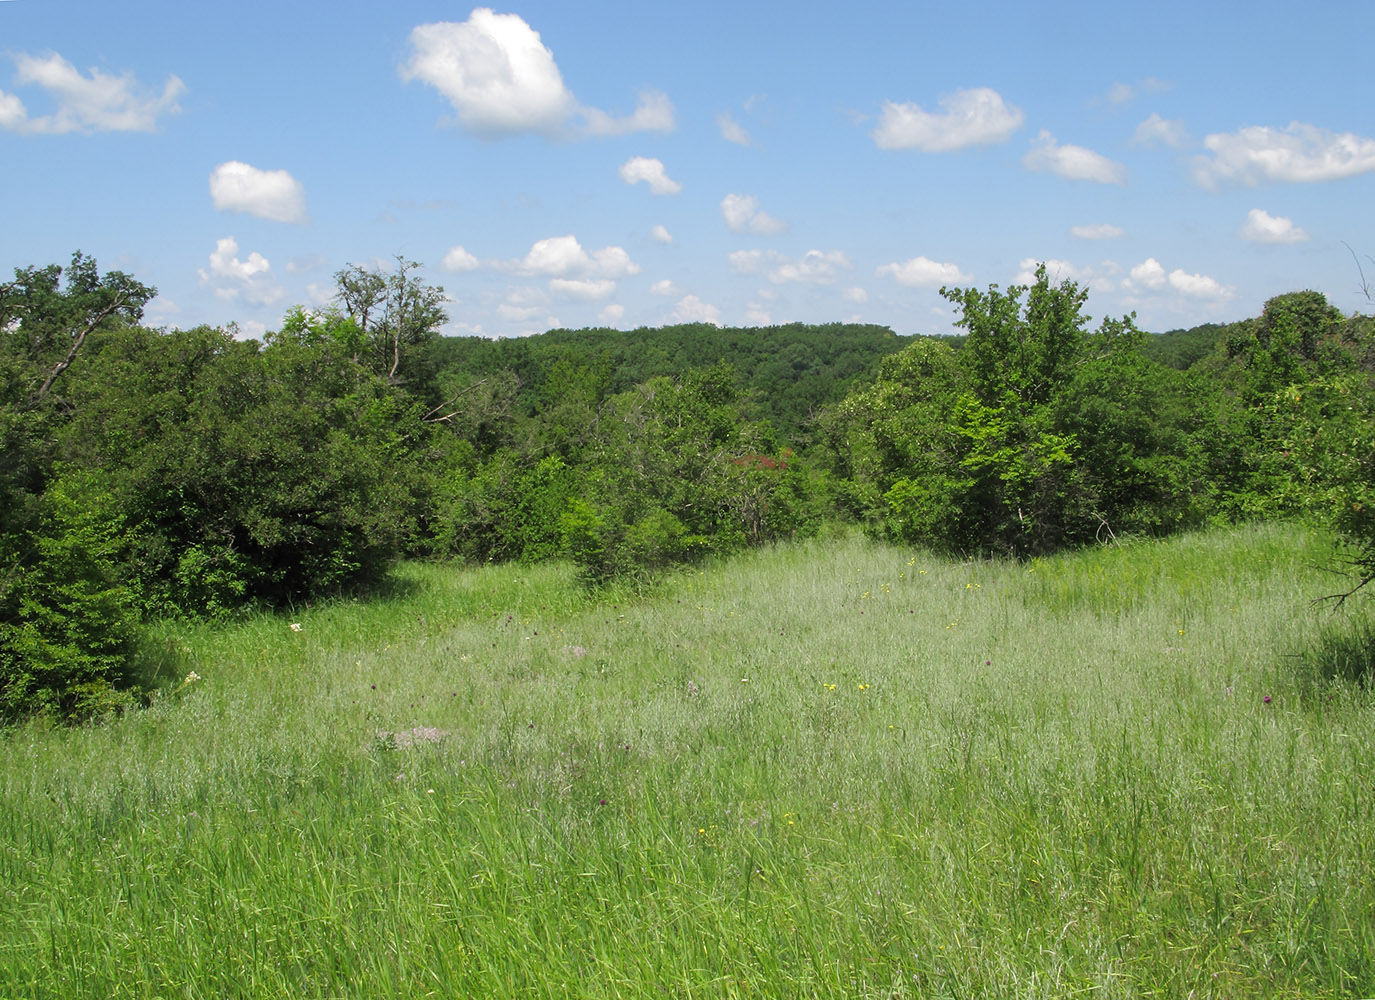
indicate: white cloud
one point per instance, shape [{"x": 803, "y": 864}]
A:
[
  {"x": 225, "y": 263},
  {"x": 1160, "y": 131},
  {"x": 1147, "y": 274},
  {"x": 1120, "y": 93},
  {"x": 976, "y": 117},
  {"x": 1262, "y": 227},
  {"x": 856, "y": 295},
  {"x": 12, "y": 113},
  {"x": 521, "y": 308},
  {"x": 1091, "y": 276},
  {"x": 458, "y": 259},
  {"x": 816, "y": 267},
  {"x": 232, "y": 278},
  {"x": 564, "y": 257},
  {"x": 611, "y": 314},
  {"x": 664, "y": 287},
  {"x": 757, "y": 315},
  {"x": 100, "y": 102},
  {"x": 502, "y": 80},
  {"x": 1072, "y": 162},
  {"x": 651, "y": 171},
  {"x": 1199, "y": 286},
  {"x": 742, "y": 215},
  {"x": 659, "y": 234},
  {"x": 691, "y": 309},
  {"x": 654, "y": 113},
  {"x": 494, "y": 70},
  {"x": 731, "y": 130},
  {"x": 587, "y": 289},
  {"x": 269, "y": 194},
  {"x": 746, "y": 261},
  {"x": 922, "y": 272},
  {"x": 1300, "y": 153},
  {"x": 1098, "y": 231},
  {"x": 1150, "y": 275}
]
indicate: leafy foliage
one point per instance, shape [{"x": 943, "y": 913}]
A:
[{"x": 1037, "y": 434}]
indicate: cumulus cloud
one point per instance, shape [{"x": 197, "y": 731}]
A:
[
  {"x": 856, "y": 295},
  {"x": 1157, "y": 131},
  {"x": 922, "y": 272},
  {"x": 746, "y": 261},
  {"x": 1092, "y": 276},
  {"x": 1262, "y": 227},
  {"x": 664, "y": 287},
  {"x": 1074, "y": 163},
  {"x": 731, "y": 130},
  {"x": 976, "y": 117},
  {"x": 494, "y": 70},
  {"x": 654, "y": 113},
  {"x": 1200, "y": 286},
  {"x": 564, "y": 257},
  {"x": 691, "y": 309},
  {"x": 757, "y": 315},
  {"x": 1098, "y": 231},
  {"x": 458, "y": 259},
  {"x": 659, "y": 234},
  {"x": 742, "y": 215},
  {"x": 502, "y": 80},
  {"x": 815, "y": 267},
  {"x": 611, "y": 314},
  {"x": 1148, "y": 274},
  {"x": 225, "y": 263},
  {"x": 1300, "y": 153},
  {"x": 587, "y": 289},
  {"x": 98, "y": 102},
  {"x": 651, "y": 171},
  {"x": 232, "y": 278},
  {"x": 518, "y": 313},
  {"x": 269, "y": 194}
]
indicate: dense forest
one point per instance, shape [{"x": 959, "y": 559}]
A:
[{"x": 148, "y": 473}]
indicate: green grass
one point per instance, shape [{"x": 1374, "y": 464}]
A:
[{"x": 830, "y": 770}]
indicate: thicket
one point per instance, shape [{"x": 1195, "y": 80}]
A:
[{"x": 187, "y": 472}]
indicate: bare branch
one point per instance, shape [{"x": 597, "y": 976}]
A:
[{"x": 121, "y": 298}]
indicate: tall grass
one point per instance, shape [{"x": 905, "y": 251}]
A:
[{"x": 831, "y": 770}]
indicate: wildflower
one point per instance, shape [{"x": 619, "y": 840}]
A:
[
  {"x": 295, "y": 626},
  {"x": 1267, "y": 699},
  {"x": 191, "y": 678}
]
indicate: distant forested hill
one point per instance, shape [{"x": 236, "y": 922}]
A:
[
  {"x": 1181, "y": 348},
  {"x": 789, "y": 371}
]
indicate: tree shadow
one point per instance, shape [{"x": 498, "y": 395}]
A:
[{"x": 1344, "y": 653}]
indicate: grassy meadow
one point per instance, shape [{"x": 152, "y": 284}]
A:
[{"x": 836, "y": 769}]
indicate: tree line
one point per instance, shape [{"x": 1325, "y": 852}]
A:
[{"x": 152, "y": 473}]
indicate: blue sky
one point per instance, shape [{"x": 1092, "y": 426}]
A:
[{"x": 631, "y": 164}]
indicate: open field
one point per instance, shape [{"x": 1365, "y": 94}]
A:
[{"x": 830, "y": 770}]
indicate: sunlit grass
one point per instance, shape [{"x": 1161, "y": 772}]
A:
[{"x": 836, "y": 769}]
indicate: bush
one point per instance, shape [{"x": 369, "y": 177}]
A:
[{"x": 69, "y": 627}]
